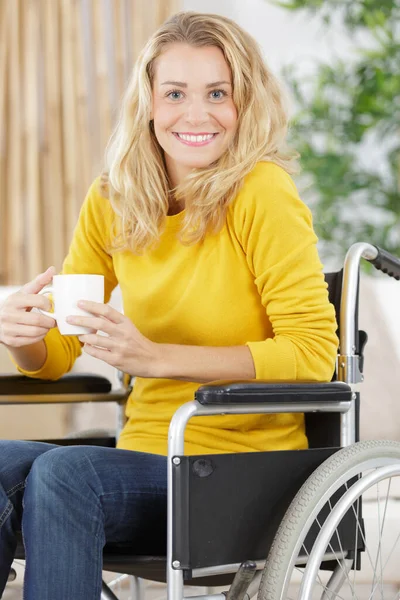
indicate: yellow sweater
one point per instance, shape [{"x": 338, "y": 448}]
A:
[{"x": 258, "y": 282}]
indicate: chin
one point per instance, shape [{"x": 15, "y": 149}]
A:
[{"x": 200, "y": 163}]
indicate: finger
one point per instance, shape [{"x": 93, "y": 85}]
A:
[
  {"x": 97, "y": 340},
  {"x": 93, "y": 323},
  {"x": 32, "y": 318},
  {"x": 37, "y": 284},
  {"x": 26, "y": 331},
  {"x": 29, "y": 301},
  {"x": 21, "y": 341},
  {"x": 103, "y": 310},
  {"x": 101, "y": 354}
]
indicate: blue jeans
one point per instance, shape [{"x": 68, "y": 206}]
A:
[{"x": 69, "y": 502}]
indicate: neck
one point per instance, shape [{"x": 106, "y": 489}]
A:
[
  {"x": 175, "y": 171},
  {"x": 175, "y": 177}
]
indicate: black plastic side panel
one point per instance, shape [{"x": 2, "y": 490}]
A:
[
  {"x": 230, "y": 505},
  {"x": 180, "y": 539},
  {"x": 357, "y": 416}
]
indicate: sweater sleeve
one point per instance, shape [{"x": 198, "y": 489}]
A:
[
  {"x": 87, "y": 254},
  {"x": 275, "y": 230}
]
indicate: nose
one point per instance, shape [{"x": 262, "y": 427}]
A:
[{"x": 196, "y": 112}]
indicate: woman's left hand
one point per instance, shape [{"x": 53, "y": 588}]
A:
[{"x": 123, "y": 347}]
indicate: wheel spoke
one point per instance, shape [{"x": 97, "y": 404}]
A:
[
  {"x": 334, "y": 504},
  {"x": 351, "y": 585},
  {"x": 387, "y": 560},
  {"x": 337, "y": 558},
  {"x": 356, "y": 544},
  {"x": 336, "y": 596},
  {"x": 323, "y": 586},
  {"x": 308, "y": 554},
  {"x": 362, "y": 536},
  {"x": 378, "y": 553},
  {"x": 383, "y": 524}
]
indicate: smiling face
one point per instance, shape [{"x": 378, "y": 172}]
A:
[{"x": 195, "y": 118}]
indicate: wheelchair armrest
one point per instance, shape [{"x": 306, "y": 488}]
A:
[
  {"x": 75, "y": 383},
  {"x": 73, "y": 387},
  {"x": 258, "y": 391}
]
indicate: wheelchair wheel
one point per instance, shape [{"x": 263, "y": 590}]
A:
[{"x": 358, "y": 482}]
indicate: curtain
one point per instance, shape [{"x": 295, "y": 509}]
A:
[{"x": 64, "y": 65}]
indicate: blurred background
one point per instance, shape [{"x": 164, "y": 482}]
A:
[{"x": 63, "y": 68}]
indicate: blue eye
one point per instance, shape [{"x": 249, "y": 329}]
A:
[
  {"x": 221, "y": 95},
  {"x": 174, "y": 95}
]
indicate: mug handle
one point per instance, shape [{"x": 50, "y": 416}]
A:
[{"x": 48, "y": 289}]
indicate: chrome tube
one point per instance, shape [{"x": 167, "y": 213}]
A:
[
  {"x": 125, "y": 386},
  {"x": 113, "y": 396},
  {"x": 349, "y": 295},
  {"x": 348, "y": 424},
  {"x": 120, "y": 418},
  {"x": 337, "y": 579},
  {"x": 176, "y": 435},
  {"x": 348, "y": 362},
  {"x": 106, "y": 593},
  {"x": 223, "y": 569},
  {"x": 220, "y": 596}
]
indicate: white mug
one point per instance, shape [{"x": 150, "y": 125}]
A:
[{"x": 67, "y": 290}]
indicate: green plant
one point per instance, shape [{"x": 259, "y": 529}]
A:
[{"x": 346, "y": 109}]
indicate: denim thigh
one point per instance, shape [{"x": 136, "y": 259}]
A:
[
  {"x": 16, "y": 459},
  {"x": 130, "y": 488}
]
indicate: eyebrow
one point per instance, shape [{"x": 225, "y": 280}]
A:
[{"x": 184, "y": 85}]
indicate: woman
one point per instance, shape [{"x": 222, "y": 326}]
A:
[{"x": 200, "y": 224}]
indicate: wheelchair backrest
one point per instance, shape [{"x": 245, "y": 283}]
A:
[{"x": 323, "y": 429}]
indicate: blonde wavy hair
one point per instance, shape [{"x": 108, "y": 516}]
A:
[{"x": 135, "y": 177}]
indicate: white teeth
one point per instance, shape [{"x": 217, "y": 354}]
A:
[{"x": 195, "y": 138}]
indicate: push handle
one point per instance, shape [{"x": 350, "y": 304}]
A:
[{"x": 387, "y": 263}]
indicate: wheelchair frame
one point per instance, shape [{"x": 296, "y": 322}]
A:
[{"x": 348, "y": 371}]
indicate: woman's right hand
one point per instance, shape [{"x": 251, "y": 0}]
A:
[{"x": 18, "y": 325}]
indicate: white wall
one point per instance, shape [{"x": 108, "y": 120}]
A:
[{"x": 284, "y": 37}]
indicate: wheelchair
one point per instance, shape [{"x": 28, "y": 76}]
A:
[{"x": 283, "y": 524}]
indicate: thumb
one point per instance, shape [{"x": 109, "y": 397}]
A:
[{"x": 37, "y": 284}]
